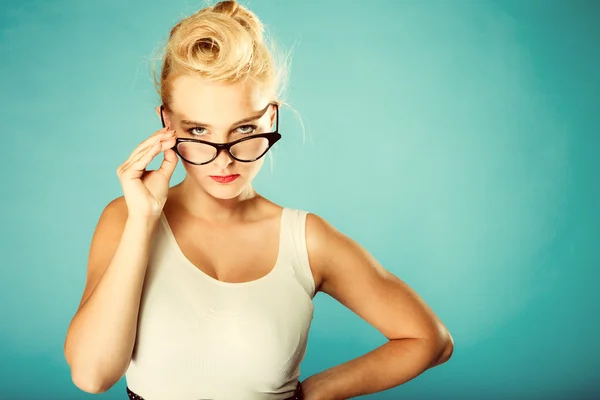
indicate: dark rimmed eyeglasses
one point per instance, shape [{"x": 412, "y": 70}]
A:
[{"x": 246, "y": 149}]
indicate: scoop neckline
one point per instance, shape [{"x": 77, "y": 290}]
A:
[{"x": 203, "y": 274}]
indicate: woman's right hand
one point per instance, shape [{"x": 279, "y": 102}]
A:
[{"x": 146, "y": 192}]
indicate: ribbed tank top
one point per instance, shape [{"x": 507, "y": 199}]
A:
[{"x": 201, "y": 338}]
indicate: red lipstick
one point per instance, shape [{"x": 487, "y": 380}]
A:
[{"x": 224, "y": 178}]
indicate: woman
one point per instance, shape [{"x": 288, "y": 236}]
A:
[{"x": 204, "y": 290}]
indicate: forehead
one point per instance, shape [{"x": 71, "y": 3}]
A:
[{"x": 215, "y": 103}]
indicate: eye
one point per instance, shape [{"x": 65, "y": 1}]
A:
[
  {"x": 191, "y": 130},
  {"x": 246, "y": 129}
]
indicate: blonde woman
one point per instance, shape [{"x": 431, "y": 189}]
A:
[{"x": 204, "y": 290}]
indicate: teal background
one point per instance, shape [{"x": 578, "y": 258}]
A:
[{"x": 456, "y": 140}]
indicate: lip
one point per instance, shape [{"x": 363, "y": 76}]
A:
[{"x": 224, "y": 178}]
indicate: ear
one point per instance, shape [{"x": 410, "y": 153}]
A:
[
  {"x": 165, "y": 116},
  {"x": 273, "y": 116}
]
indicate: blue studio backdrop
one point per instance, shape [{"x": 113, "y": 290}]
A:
[{"x": 457, "y": 141}]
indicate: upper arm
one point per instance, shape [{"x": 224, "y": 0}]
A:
[
  {"x": 354, "y": 278},
  {"x": 105, "y": 241}
]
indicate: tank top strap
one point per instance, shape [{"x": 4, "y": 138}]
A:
[{"x": 294, "y": 252}]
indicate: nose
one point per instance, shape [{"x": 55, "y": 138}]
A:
[{"x": 223, "y": 159}]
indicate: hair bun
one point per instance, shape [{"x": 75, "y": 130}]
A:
[
  {"x": 241, "y": 15},
  {"x": 222, "y": 43},
  {"x": 229, "y": 7}
]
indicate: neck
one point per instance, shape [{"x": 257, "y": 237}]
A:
[{"x": 202, "y": 205}]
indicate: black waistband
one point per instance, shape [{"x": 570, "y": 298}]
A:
[{"x": 298, "y": 394}]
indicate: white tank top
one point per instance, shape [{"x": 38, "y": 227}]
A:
[{"x": 200, "y": 338}]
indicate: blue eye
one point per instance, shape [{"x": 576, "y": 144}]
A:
[
  {"x": 244, "y": 130},
  {"x": 191, "y": 130},
  {"x": 247, "y": 129}
]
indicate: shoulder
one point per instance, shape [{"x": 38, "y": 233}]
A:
[
  {"x": 117, "y": 205},
  {"x": 105, "y": 240},
  {"x": 114, "y": 212},
  {"x": 323, "y": 239},
  {"x": 317, "y": 230},
  {"x": 339, "y": 260},
  {"x": 266, "y": 209},
  {"x": 112, "y": 221},
  {"x": 323, "y": 243}
]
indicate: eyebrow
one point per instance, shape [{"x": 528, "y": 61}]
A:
[{"x": 241, "y": 121}]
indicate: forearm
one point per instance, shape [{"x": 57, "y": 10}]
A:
[
  {"x": 388, "y": 366},
  {"x": 101, "y": 336}
]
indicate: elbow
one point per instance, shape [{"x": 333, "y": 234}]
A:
[
  {"x": 448, "y": 350},
  {"x": 88, "y": 385},
  {"x": 91, "y": 383},
  {"x": 445, "y": 349},
  {"x": 83, "y": 378},
  {"x": 88, "y": 377}
]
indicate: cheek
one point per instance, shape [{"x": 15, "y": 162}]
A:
[
  {"x": 254, "y": 167},
  {"x": 248, "y": 171},
  {"x": 198, "y": 172}
]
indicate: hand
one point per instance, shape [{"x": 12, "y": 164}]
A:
[{"x": 146, "y": 192}]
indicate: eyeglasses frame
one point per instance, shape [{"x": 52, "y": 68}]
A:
[{"x": 272, "y": 137}]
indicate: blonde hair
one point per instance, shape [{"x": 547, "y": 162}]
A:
[{"x": 223, "y": 43}]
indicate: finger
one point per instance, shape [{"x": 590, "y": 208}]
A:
[
  {"x": 149, "y": 142},
  {"x": 146, "y": 158},
  {"x": 169, "y": 163},
  {"x": 136, "y": 167},
  {"x": 141, "y": 149}
]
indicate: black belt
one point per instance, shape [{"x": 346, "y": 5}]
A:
[{"x": 298, "y": 394}]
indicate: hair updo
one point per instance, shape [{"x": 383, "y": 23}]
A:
[{"x": 222, "y": 43}]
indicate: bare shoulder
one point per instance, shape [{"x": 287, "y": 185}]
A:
[
  {"x": 105, "y": 239},
  {"x": 113, "y": 216},
  {"x": 268, "y": 208},
  {"x": 318, "y": 233},
  {"x": 117, "y": 206},
  {"x": 338, "y": 259}
]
